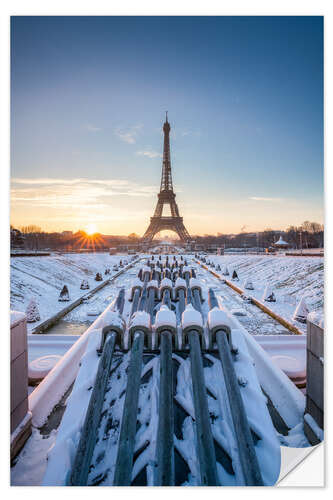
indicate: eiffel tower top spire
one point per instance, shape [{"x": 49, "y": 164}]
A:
[{"x": 166, "y": 180}]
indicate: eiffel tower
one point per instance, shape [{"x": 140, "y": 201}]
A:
[{"x": 166, "y": 196}]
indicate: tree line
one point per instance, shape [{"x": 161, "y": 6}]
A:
[{"x": 32, "y": 237}]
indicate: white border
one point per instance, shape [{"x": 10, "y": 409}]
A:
[{"x": 144, "y": 7}]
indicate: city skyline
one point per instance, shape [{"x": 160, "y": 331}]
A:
[{"x": 245, "y": 102}]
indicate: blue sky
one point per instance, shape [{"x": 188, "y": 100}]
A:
[{"x": 245, "y": 102}]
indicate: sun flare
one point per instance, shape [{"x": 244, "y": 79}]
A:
[{"x": 91, "y": 228}]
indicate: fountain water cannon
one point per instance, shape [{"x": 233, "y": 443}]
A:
[
  {"x": 111, "y": 333},
  {"x": 165, "y": 321},
  {"x": 146, "y": 273},
  {"x": 166, "y": 283},
  {"x": 167, "y": 273},
  {"x": 153, "y": 293},
  {"x": 136, "y": 285},
  {"x": 116, "y": 326},
  {"x": 166, "y": 291},
  {"x": 180, "y": 286},
  {"x": 186, "y": 274},
  {"x": 140, "y": 322},
  {"x": 115, "y": 322},
  {"x": 191, "y": 322},
  {"x": 220, "y": 326},
  {"x": 196, "y": 290},
  {"x": 192, "y": 332},
  {"x": 218, "y": 321},
  {"x": 157, "y": 275},
  {"x": 175, "y": 275}
]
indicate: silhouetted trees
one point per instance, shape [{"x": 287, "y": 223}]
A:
[{"x": 31, "y": 237}]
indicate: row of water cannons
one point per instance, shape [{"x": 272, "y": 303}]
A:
[
  {"x": 301, "y": 310},
  {"x": 64, "y": 294},
  {"x": 162, "y": 336}
]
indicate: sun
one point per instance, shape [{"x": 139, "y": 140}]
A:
[{"x": 91, "y": 228}]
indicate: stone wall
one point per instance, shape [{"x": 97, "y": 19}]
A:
[{"x": 20, "y": 417}]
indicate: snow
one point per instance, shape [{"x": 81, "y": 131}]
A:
[
  {"x": 238, "y": 312},
  {"x": 40, "y": 367},
  {"x": 218, "y": 318},
  {"x": 186, "y": 269},
  {"x": 180, "y": 283},
  {"x": 291, "y": 366},
  {"x": 32, "y": 312},
  {"x": 31, "y": 463},
  {"x": 191, "y": 318},
  {"x": 44, "y": 277},
  {"x": 165, "y": 318},
  {"x": 281, "y": 242},
  {"x": 268, "y": 294},
  {"x": 252, "y": 364},
  {"x": 16, "y": 317},
  {"x": 301, "y": 311},
  {"x": 287, "y": 399},
  {"x": 291, "y": 278},
  {"x": 152, "y": 284},
  {"x": 248, "y": 284},
  {"x": 49, "y": 392},
  {"x": 165, "y": 283},
  {"x": 39, "y": 345},
  {"x": 314, "y": 426},
  {"x": 61, "y": 456},
  {"x": 316, "y": 317},
  {"x": 145, "y": 269},
  {"x": 195, "y": 283},
  {"x": 140, "y": 319}
]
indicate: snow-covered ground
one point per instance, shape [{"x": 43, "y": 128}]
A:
[
  {"x": 290, "y": 278},
  {"x": 44, "y": 278}
]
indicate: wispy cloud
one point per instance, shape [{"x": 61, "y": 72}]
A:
[
  {"x": 92, "y": 128},
  {"x": 74, "y": 193},
  {"x": 150, "y": 153},
  {"x": 262, "y": 198},
  {"x": 187, "y": 132},
  {"x": 129, "y": 134}
]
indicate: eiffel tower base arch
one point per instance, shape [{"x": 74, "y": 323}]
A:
[{"x": 158, "y": 224}]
